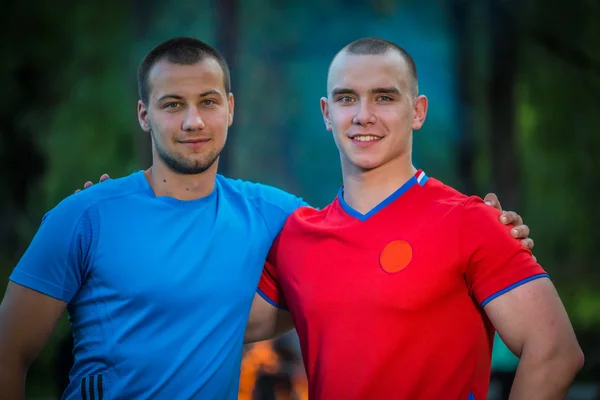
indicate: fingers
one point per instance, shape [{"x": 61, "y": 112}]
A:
[
  {"x": 90, "y": 183},
  {"x": 492, "y": 200},
  {"x": 527, "y": 243},
  {"x": 511, "y": 217},
  {"x": 520, "y": 232}
]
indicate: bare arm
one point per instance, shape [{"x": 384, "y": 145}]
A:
[
  {"x": 533, "y": 323},
  {"x": 266, "y": 321},
  {"x": 27, "y": 319}
]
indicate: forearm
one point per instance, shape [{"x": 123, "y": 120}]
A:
[
  {"x": 253, "y": 338},
  {"x": 258, "y": 334},
  {"x": 27, "y": 319},
  {"x": 255, "y": 335},
  {"x": 544, "y": 379}
]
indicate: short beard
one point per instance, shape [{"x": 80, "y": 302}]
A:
[{"x": 183, "y": 166}]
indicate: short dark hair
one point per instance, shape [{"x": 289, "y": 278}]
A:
[
  {"x": 182, "y": 51},
  {"x": 375, "y": 46}
]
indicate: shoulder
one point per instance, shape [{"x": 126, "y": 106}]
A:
[
  {"x": 81, "y": 202},
  {"x": 444, "y": 194},
  {"x": 260, "y": 195},
  {"x": 478, "y": 225},
  {"x": 310, "y": 220},
  {"x": 273, "y": 205},
  {"x": 455, "y": 208},
  {"x": 307, "y": 213},
  {"x": 442, "y": 200},
  {"x": 480, "y": 218}
]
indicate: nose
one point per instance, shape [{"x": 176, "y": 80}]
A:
[
  {"x": 193, "y": 120},
  {"x": 364, "y": 115}
]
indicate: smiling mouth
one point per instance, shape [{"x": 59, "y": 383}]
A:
[{"x": 365, "y": 138}]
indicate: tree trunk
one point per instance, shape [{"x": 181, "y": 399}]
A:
[
  {"x": 142, "y": 11},
  {"x": 460, "y": 17},
  {"x": 227, "y": 34},
  {"x": 503, "y": 62}
]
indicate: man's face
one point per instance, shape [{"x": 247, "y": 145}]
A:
[
  {"x": 371, "y": 108},
  {"x": 188, "y": 114}
]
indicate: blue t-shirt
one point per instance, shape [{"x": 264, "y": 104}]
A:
[{"x": 158, "y": 289}]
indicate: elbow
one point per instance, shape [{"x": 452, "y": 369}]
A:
[
  {"x": 566, "y": 359},
  {"x": 570, "y": 355},
  {"x": 577, "y": 359}
]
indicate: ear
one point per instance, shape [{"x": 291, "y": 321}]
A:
[
  {"x": 142, "y": 113},
  {"x": 231, "y": 102},
  {"x": 420, "y": 112},
  {"x": 325, "y": 112}
]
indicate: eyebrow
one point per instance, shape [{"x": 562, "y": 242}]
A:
[
  {"x": 177, "y": 97},
  {"x": 386, "y": 90},
  {"x": 377, "y": 90},
  {"x": 339, "y": 91}
]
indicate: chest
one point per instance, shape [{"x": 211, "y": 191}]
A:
[
  {"x": 180, "y": 259},
  {"x": 392, "y": 267}
]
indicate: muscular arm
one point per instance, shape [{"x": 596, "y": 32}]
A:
[
  {"x": 266, "y": 321},
  {"x": 533, "y": 323},
  {"x": 27, "y": 319}
]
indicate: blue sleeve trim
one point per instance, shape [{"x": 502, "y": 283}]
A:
[
  {"x": 511, "y": 287},
  {"x": 39, "y": 285},
  {"x": 268, "y": 300}
]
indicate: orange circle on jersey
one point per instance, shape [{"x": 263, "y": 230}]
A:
[{"x": 395, "y": 256}]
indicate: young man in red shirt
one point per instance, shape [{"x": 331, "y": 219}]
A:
[{"x": 397, "y": 287}]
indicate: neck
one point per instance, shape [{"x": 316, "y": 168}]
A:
[
  {"x": 364, "y": 190},
  {"x": 166, "y": 182}
]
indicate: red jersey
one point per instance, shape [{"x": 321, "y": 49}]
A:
[{"x": 389, "y": 305}]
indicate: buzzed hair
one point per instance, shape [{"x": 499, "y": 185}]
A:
[
  {"x": 377, "y": 46},
  {"x": 181, "y": 51}
]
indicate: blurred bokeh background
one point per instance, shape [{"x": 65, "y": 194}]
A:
[{"x": 514, "y": 90}]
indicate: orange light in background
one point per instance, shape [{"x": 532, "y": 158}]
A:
[{"x": 262, "y": 358}]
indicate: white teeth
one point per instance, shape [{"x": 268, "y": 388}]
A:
[{"x": 366, "y": 138}]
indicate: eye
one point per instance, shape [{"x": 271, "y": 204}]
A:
[
  {"x": 208, "y": 102},
  {"x": 345, "y": 99},
  {"x": 172, "y": 105},
  {"x": 384, "y": 98}
]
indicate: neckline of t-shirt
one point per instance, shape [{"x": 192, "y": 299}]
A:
[
  {"x": 195, "y": 203},
  {"x": 418, "y": 178}
]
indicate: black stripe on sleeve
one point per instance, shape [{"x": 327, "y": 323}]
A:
[
  {"x": 91, "y": 388},
  {"x": 100, "y": 390},
  {"x": 83, "y": 391}
]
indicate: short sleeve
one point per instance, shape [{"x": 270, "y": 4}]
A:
[
  {"x": 275, "y": 205},
  {"x": 495, "y": 262},
  {"x": 268, "y": 286},
  {"x": 57, "y": 259}
]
